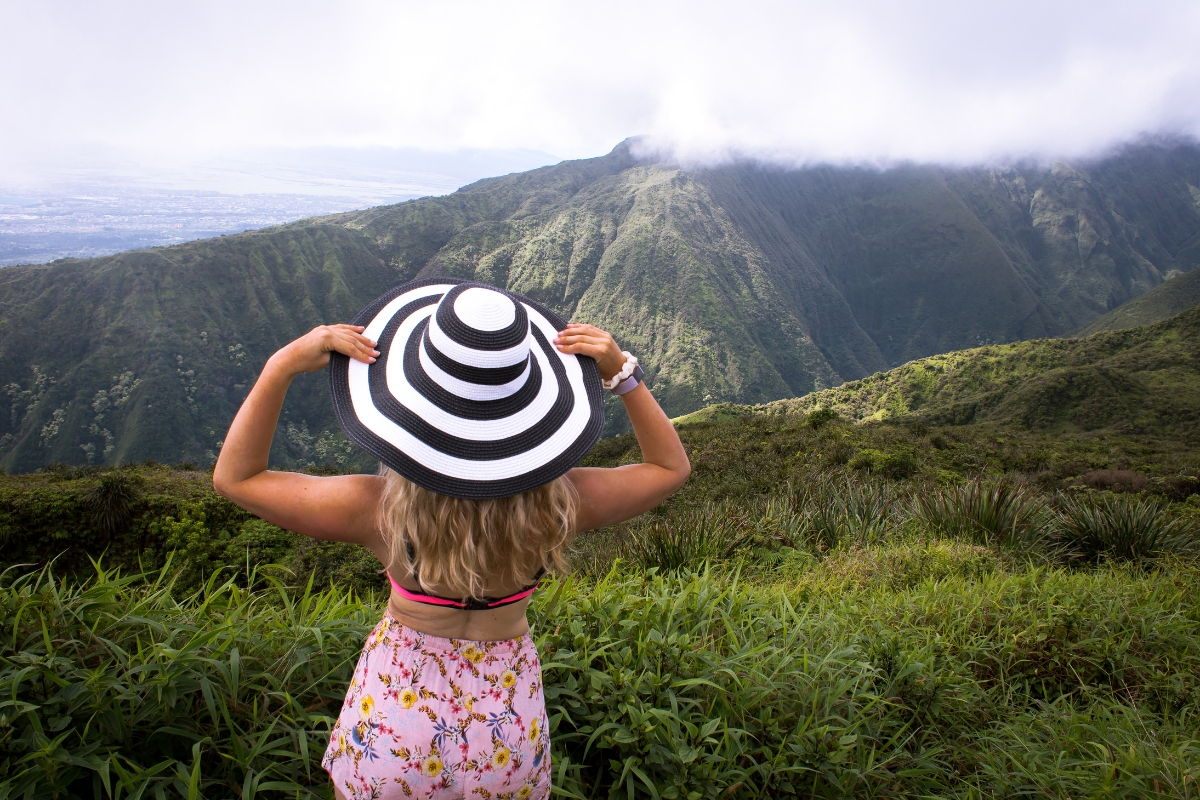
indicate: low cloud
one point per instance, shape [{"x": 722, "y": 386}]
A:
[{"x": 790, "y": 82}]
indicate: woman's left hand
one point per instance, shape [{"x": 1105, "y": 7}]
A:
[{"x": 587, "y": 340}]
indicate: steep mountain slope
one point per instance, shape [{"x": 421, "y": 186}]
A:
[
  {"x": 1162, "y": 302},
  {"x": 148, "y": 354},
  {"x": 738, "y": 283},
  {"x": 1143, "y": 380}
]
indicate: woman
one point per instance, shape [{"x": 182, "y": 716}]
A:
[{"x": 478, "y": 403}]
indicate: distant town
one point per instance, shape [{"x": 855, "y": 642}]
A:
[
  {"x": 37, "y": 228},
  {"x": 96, "y": 206}
]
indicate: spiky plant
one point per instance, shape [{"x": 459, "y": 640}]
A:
[
  {"x": 999, "y": 514},
  {"x": 709, "y": 532},
  {"x": 110, "y": 504},
  {"x": 1122, "y": 528}
]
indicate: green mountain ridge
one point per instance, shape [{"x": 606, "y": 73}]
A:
[
  {"x": 1169, "y": 298},
  {"x": 1134, "y": 381},
  {"x": 737, "y": 283}
]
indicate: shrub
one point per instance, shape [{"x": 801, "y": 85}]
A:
[
  {"x": 257, "y": 544},
  {"x": 1121, "y": 528},
  {"x": 868, "y": 459},
  {"x": 1001, "y": 514},
  {"x": 71, "y": 515},
  {"x": 819, "y": 417},
  {"x": 1115, "y": 480},
  {"x": 898, "y": 464},
  {"x": 1179, "y": 487},
  {"x": 337, "y": 564}
]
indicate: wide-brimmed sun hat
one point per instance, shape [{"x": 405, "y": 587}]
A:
[{"x": 468, "y": 397}]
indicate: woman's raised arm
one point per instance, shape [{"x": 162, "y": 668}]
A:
[
  {"x": 340, "y": 508},
  {"x": 608, "y": 496}
]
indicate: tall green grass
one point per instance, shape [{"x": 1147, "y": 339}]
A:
[
  {"x": 816, "y": 515},
  {"x": 119, "y": 688},
  {"x": 985, "y": 680},
  {"x": 831, "y": 512}
]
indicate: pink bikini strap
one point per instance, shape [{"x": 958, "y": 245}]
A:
[{"x": 434, "y": 600}]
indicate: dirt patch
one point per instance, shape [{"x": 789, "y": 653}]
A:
[{"x": 1115, "y": 480}]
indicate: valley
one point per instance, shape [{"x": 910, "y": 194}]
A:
[{"x": 738, "y": 283}]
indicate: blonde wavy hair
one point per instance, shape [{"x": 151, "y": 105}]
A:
[{"x": 461, "y": 545}]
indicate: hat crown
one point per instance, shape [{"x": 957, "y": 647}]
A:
[
  {"x": 479, "y": 330},
  {"x": 485, "y": 309}
]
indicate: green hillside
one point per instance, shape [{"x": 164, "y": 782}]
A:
[
  {"x": 933, "y": 603},
  {"x": 1138, "y": 381},
  {"x": 739, "y": 284},
  {"x": 1169, "y": 298}
]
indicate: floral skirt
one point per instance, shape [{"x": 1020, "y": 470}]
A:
[{"x": 427, "y": 717}]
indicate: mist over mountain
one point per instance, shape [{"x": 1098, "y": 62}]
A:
[{"x": 738, "y": 282}]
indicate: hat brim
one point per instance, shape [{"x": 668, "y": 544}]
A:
[{"x": 455, "y": 446}]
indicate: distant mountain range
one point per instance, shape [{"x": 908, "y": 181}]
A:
[{"x": 741, "y": 283}]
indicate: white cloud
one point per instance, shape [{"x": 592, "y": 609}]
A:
[{"x": 941, "y": 81}]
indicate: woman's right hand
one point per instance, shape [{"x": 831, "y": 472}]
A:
[
  {"x": 341, "y": 507},
  {"x": 598, "y": 344},
  {"x": 311, "y": 351}
]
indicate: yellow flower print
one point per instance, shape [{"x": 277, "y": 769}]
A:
[
  {"x": 508, "y": 679},
  {"x": 469, "y": 702},
  {"x": 366, "y": 706},
  {"x": 535, "y": 729},
  {"x": 472, "y": 653},
  {"x": 524, "y": 792},
  {"x": 501, "y": 758},
  {"x": 408, "y": 697},
  {"x": 432, "y": 767}
]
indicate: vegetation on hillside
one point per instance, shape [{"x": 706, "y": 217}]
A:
[
  {"x": 1164, "y": 301},
  {"x": 828, "y": 608},
  {"x": 1137, "y": 381},
  {"x": 841, "y": 638},
  {"x": 739, "y": 284}
]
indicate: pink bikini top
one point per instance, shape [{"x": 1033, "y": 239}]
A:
[{"x": 470, "y": 603}]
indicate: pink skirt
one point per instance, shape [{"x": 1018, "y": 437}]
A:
[{"x": 427, "y": 717}]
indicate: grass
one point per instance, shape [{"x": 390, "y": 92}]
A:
[
  {"x": 124, "y": 687},
  {"x": 922, "y": 669},
  {"x": 990, "y": 613},
  {"x": 709, "y": 532}
]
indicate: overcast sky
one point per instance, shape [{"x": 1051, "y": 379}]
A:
[{"x": 932, "y": 81}]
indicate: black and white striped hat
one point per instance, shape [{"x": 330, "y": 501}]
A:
[{"x": 468, "y": 397}]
